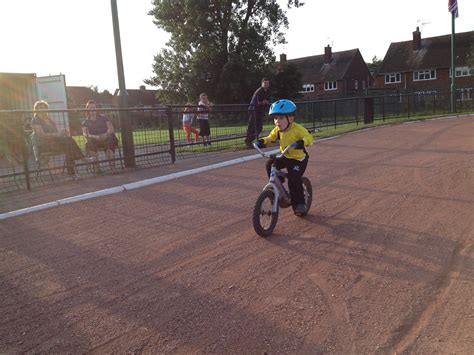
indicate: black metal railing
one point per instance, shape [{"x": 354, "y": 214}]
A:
[{"x": 159, "y": 138}]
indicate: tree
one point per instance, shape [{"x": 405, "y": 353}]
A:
[
  {"x": 221, "y": 47},
  {"x": 471, "y": 59},
  {"x": 287, "y": 82},
  {"x": 374, "y": 65}
]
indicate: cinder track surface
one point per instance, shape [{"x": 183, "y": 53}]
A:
[{"x": 384, "y": 263}]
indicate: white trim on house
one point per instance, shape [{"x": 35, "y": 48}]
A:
[
  {"x": 330, "y": 85},
  {"x": 307, "y": 88},
  {"x": 425, "y": 74},
  {"x": 393, "y": 78}
]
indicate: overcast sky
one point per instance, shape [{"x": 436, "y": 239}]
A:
[{"x": 75, "y": 38}]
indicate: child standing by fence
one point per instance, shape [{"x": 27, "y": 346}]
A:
[
  {"x": 188, "y": 122},
  {"x": 203, "y": 118}
]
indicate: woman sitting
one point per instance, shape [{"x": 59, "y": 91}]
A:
[
  {"x": 47, "y": 137},
  {"x": 99, "y": 133}
]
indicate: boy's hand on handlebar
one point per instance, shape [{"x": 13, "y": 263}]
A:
[
  {"x": 299, "y": 144},
  {"x": 260, "y": 143}
]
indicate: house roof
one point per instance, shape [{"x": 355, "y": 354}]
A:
[
  {"x": 315, "y": 70},
  {"x": 140, "y": 97},
  {"x": 79, "y": 95},
  {"x": 435, "y": 52}
]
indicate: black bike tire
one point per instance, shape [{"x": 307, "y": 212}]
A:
[
  {"x": 259, "y": 229},
  {"x": 309, "y": 188}
]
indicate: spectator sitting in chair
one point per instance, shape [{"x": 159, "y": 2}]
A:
[
  {"x": 99, "y": 133},
  {"x": 47, "y": 137}
]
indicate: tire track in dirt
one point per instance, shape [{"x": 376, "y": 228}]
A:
[
  {"x": 408, "y": 332},
  {"x": 338, "y": 307}
]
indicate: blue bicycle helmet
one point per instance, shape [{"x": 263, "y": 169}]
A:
[{"x": 282, "y": 107}]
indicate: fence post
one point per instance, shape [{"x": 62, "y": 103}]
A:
[
  {"x": 357, "y": 110},
  {"x": 383, "y": 108},
  {"x": 368, "y": 110},
  {"x": 25, "y": 153},
  {"x": 319, "y": 115},
  {"x": 408, "y": 105},
  {"x": 335, "y": 115},
  {"x": 126, "y": 131},
  {"x": 171, "y": 134},
  {"x": 434, "y": 103}
]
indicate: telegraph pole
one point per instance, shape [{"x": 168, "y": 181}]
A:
[
  {"x": 125, "y": 123},
  {"x": 453, "y": 63}
]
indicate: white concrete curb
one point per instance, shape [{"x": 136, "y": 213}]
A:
[
  {"x": 28, "y": 210},
  {"x": 126, "y": 187}
]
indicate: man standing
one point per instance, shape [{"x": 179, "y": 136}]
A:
[{"x": 258, "y": 106}]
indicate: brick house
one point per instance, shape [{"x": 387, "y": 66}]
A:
[
  {"x": 423, "y": 65},
  {"x": 77, "y": 97},
  {"x": 331, "y": 74},
  {"x": 139, "y": 97}
]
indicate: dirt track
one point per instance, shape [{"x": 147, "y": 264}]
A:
[{"x": 384, "y": 263}]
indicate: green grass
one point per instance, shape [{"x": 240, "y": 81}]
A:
[{"x": 161, "y": 136}]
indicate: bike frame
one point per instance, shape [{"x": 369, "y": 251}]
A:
[{"x": 274, "y": 183}]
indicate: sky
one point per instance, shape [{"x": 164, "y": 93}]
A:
[{"x": 75, "y": 38}]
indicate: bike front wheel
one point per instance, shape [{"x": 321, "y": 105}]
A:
[{"x": 264, "y": 220}]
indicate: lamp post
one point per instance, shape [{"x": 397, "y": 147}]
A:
[
  {"x": 125, "y": 123},
  {"x": 453, "y": 63}
]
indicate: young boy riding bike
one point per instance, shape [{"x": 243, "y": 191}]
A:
[{"x": 295, "y": 161}]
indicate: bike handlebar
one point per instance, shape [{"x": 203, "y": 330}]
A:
[{"x": 292, "y": 145}]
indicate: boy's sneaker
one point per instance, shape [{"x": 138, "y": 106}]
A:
[{"x": 300, "y": 210}]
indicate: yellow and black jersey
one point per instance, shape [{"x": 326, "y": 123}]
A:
[{"x": 291, "y": 135}]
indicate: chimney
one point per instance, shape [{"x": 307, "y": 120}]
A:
[
  {"x": 142, "y": 87},
  {"x": 327, "y": 54},
  {"x": 282, "y": 58},
  {"x": 417, "y": 39}
]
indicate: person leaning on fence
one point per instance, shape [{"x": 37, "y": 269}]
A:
[
  {"x": 99, "y": 133},
  {"x": 257, "y": 108},
  {"x": 47, "y": 137},
  {"x": 188, "y": 116},
  {"x": 204, "y": 107}
]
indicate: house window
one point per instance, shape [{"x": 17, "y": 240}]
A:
[
  {"x": 356, "y": 84},
  {"x": 393, "y": 78},
  {"x": 307, "y": 88},
  {"x": 424, "y": 75},
  {"x": 330, "y": 85},
  {"x": 363, "y": 84},
  {"x": 462, "y": 71}
]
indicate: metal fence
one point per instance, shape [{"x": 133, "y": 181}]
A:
[{"x": 156, "y": 135}]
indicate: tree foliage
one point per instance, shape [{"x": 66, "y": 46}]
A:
[
  {"x": 374, "y": 65},
  {"x": 287, "y": 82},
  {"x": 471, "y": 59},
  {"x": 221, "y": 47}
]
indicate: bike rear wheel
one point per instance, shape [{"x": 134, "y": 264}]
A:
[
  {"x": 264, "y": 220},
  {"x": 308, "y": 193}
]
